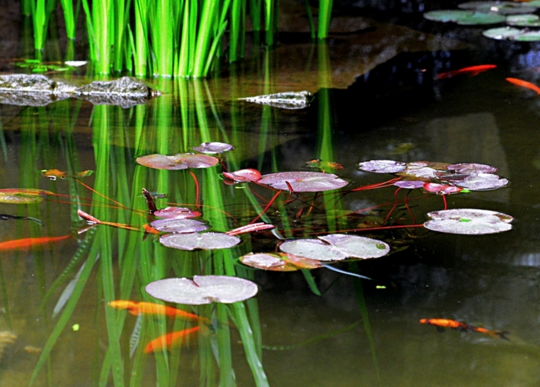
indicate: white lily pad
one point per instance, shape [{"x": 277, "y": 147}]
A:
[
  {"x": 409, "y": 184},
  {"x": 303, "y": 181},
  {"x": 468, "y": 221},
  {"x": 337, "y": 247},
  {"x": 471, "y": 168},
  {"x": 180, "y": 226},
  {"x": 481, "y": 182},
  {"x": 382, "y": 166},
  {"x": 503, "y": 33},
  {"x": 202, "y": 289},
  {"x": 213, "y": 147},
  {"x": 204, "y": 241},
  {"x": 176, "y": 213},
  {"x": 357, "y": 246}
]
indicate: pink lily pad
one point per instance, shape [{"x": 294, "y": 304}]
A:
[
  {"x": 382, "y": 166},
  {"x": 176, "y": 213},
  {"x": 471, "y": 168},
  {"x": 179, "y": 226},
  {"x": 202, "y": 289},
  {"x": 213, "y": 147},
  {"x": 178, "y": 161},
  {"x": 468, "y": 221},
  {"x": 409, "y": 184},
  {"x": 243, "y": 175},
  {"x": 203, "y": 241},
  {"x": 303, "y": 181}
]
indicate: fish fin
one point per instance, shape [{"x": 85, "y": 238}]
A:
[{"x": 502, "y": 334}]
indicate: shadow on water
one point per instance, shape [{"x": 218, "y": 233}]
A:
[{"x": 316, "y": 328}]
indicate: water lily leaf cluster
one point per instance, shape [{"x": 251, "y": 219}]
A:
[
  {"x": 438, "y": 177},
  {"x": 514, "y": 14},
  {"x": 202, "y": 289}
]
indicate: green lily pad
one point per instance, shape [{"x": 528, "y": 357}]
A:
[
  {"x": 502, "y": 33},
  {"x": 464, "y": 17},
  {"x": 526, "y": 20}
]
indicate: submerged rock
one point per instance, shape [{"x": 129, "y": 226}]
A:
[
  {"x": 125, "y": 92},
  {"x": 290, "y": 100},
  {"x": 40, "y": 90},
  {"x": 32, "y": 90}
]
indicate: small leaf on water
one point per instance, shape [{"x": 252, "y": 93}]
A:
[
  {"x": 178, "y": 161},
  {"x": 382, "y": 166},
  {"x": 176, "y": 225},
  {"x": 303, "y": 181},
  {"x": 176, "y": 213},
  {"x": 202, "y": 289},
  {"x": 204, "y": 241},
  {"x": 213, "y": 147}
]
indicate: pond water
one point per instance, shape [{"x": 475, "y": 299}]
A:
[{"x": 375, "y": 98}]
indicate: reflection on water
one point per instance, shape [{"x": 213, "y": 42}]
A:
[{"x": 55, "y": 296}]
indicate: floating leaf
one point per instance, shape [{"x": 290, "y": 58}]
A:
[
  {"x": 409, "y": 184},
  {"x": 470, "y": 168},
  {"x": 337, "y": 247},
  {"x": 178, "y": 161},
  {"x": 502, "y": 33},
  {"x": 176, "y": 213},
  {"x": 202, "y": 289},
  {"x": 482, "y": 182},
  {"x": 464, "y": 17},
  {"x": 497, "y": 7},
  {"x": 356, "y": 246},
  {"x": 468, "y": 221},
  {"x": 279, "y": 262},
  {"x": 252, "y": 227},
  {"x": 204, "y": 241},
  {"x": 382, "y": 166},
  {"x": 213, "y": 147},
  {"x": 243, "y": 175},
  {"x": 179, "y": 226},
  {"x": 292, "y": 100},
  {"x": 303, "y": 181},
  {"x": 524, "y": 20},
  {"x": 22, "y": 195},
  {"x": 441, "y": 189}
]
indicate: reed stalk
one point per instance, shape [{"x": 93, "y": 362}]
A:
[{"x": 325, "y": 11}]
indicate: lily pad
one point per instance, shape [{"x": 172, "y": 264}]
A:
[
  {"x": 204, "y": 241},
  {"x": 337, "y": 247},
  {"x": 303, "y": 181},
  {"x": 409, "y": 184},
  {"x": 279, "y": 262},
  {"x": 382, "y": 166},
  {"x": 243, "y": 175},
  {"x": 468, "y": 221},
  {"x": 524, "y": 20},
  {"x": 503, "y": 33},
  {"x": 179, "y": 226},
  {"x": 202, "y": 289},
  {"x": 498, "y": 7},
  {"x": 464, "y": 17},
  {"x": 176, "y": 213},
  {"x": 178, "y": 161},
  {"x": 292, "y": 100},
  {"x": 482, "y": 182},
  {"x": 213, "y": 147},
  {"x": 470, "y": 168}
]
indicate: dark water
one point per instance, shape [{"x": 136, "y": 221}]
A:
[{"x": 358, "y": 332}]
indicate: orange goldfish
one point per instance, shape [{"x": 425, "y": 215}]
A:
[
  {"x": 525, "y": 84},
  {"x": 322, "y": 165},
  {"x": 472, "y": 70},
  {"x": 441, "y": 323},
  {"x": 26, "y": 243},
  {"x": 170, "y": 340},
  {"x": 136, "y": 308}
]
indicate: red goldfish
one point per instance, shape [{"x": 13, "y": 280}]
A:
[
  {"x": 136, "y": 308},
  {"x": 471, "y": 70},
  {"x": 26, "y": 243},
  {"x": 525, "y": 84},
  {"x": 441, "y": 323},
  {"x": 170, "y": 340}
]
